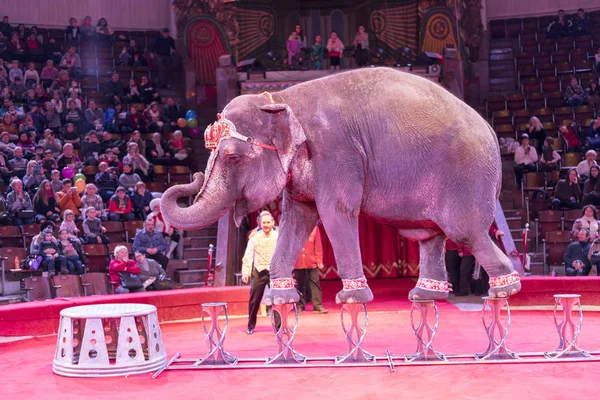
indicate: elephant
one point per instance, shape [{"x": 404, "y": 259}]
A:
[{"x": 391, "y": 145}]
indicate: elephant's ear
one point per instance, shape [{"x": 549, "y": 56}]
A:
[{"x": 289, "y": 134}]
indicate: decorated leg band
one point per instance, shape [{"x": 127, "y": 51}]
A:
[
  {"x": 504, "y": 280},
  {"x": 355, "y": 284},
  {"x": 282, "y": 283},
  {"x": 432, "y": 284}
]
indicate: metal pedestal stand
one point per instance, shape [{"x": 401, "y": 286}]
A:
[
  {"x": 215, "y": 336},
  {"x": 496, "y": 348},
  {"x": 567, "y": 346},
  {"x": 355, "y": 351},
  {"x": 285, "y": 335},
  {"x": 425, "y": 350}
]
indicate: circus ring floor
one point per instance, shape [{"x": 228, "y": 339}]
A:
[{"x": 27, "y": 362}]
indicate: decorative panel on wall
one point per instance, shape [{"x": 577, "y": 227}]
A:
[
  {"x": 395, "y": 24},
  {"x": 122, "y": 14},
  {"x": 438, "y": 30},
  {"x": 206, "y": 42},
  {"x": 257, "y": 27}
]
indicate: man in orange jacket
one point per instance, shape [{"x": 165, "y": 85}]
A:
[{"x": 307, "y": 268}]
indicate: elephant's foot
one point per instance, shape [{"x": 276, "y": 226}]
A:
[
  {"x": 354, "y": 296},
  {"x": 429, "y": 289},
  {"x": 281, "y": 291},
  {"x": 505, "y": 285},
  {"x": 354, "y": 291}
]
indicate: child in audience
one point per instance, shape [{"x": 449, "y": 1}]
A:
[
  {"x": 48, "y": 249},
  {"x": 93, "y": 229},
  {"x": 68, "y": 198},
  {"x": 15, "y": 71},
  {"x": 31, "y": 76},
  {"x": 69, "y": 225},
  {"x": 141, "y": 199},
  {"x": 17, "y": 89},
  {"x": 71, "y": 250},
  {"x": 55, "y": 181},
  {"x": 119, "y": 206},
  {"x": 124, "y": 57},
  {"x": 49, "y": 163}
]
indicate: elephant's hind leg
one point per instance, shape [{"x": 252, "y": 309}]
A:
[
  {"x": 504, "y": 281},
  {"x": 433, "y": 278}
]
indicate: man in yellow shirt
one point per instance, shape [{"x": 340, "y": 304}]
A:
[{"x": 256, "y": 264}]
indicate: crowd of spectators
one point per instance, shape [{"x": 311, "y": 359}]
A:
[{"x": 51, "y": 132}]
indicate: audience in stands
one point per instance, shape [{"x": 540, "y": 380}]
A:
[
  {"x": 73, "y": 31},
  {"x": 71, "y": 250},
  {"x": 525, "y": 158},
  {"x": 164, "y": 227},
  {"x": 536, "y": 132},
  {"x": 120, "y": 207},
  {"x": 113, "y": 90},
  {"x": 591, "y": 187},
  {"x": 93, "y": 231},
  {"x": 361, "y": 47},
  {"x": 68, "y": 199},
  {"x": 594, "y": 134},
  {"x": 45, "y": 205},
  {"x": 576, "y": 258},
  {"x": 151, "y": 243},
  {"x": 583, "y": 168},
  {"x": 561, "y": 27},
  {"x": 123, "y": 272},
  {"x": 141, "y": 199},
  {"x": 140, "y": 165},
  {"x": 103, "y": 31},
  {"x": 162, "y": 51},
  {"x": 91, "y": 198},
  {"x": 180, "y": 147},
  {"x": 336, "y": 50},
  {"x": 19, "y": 205},
  {"x": 587, "y": 221},
  {"x": 581, "y": 24},
  {"x": 574, "y": 94},
  {"x": 50, "y": 252},
  {"x": 572, "y": 141},
  {"x": 151, "y": 272},
  {"x": 316, "y": 53},
  {"x": 567, "y": 193},
  {"x": 593, "y": 95},
  {"x": 106, "y": 180},
  {"x": 157, "y": 151}
]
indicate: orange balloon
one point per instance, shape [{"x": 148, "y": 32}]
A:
[
  {"x": 80, "y": 185},
  {"x": 181, "y": 122}
]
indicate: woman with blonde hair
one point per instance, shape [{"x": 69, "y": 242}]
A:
[
  {"x": 536, "y": 132},
  {"x": 123, "y": 272},
  {"x": 33, "y": 176}
]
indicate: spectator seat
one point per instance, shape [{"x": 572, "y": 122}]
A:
[{"x": 37, "y": 288}]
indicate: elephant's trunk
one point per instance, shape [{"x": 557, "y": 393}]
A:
[{"x": 205, "y": 211}]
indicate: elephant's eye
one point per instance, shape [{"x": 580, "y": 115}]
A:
[{"x": 233, "y": 158}]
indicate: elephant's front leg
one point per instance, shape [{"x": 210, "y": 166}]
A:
[{"x": 297, "y": 222}]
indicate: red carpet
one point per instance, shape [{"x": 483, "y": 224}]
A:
[{"x": 27, "y": 370}]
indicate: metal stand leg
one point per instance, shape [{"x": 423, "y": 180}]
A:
[
  {"x": 355, "y": 349},
  {"x": 285, "y": 335},
  {"x": 425, "y": 350},
  {"x": 496, "y": 348},
  {"x": 567, "y": 340},
  {"x": 215, "y": 336}
]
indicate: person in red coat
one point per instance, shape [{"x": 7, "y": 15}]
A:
[
  {"x": 306, "y": 271},
  {"x": 460, "y": 263},
  {"x": 122, "y": 263}
]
